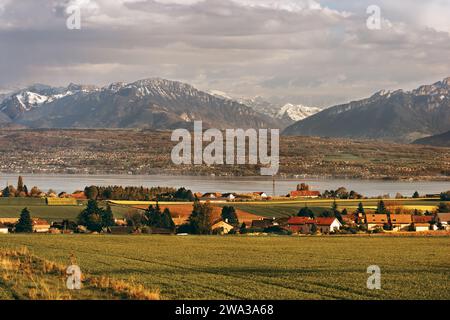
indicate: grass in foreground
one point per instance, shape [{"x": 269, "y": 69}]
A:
[
  {"x": 26, "y": 276},
  {"x": 245, "y": 267}
]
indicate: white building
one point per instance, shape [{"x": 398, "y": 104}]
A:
[{"x": 3, "y": 229}]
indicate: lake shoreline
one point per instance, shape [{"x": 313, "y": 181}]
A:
[
  {"x": 227, "y": 184},
  {"x": 283, "y": 177}
]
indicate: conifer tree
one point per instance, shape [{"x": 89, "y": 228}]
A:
[{"x": 25, "y": 223}]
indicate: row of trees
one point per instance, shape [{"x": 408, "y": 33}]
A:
[
  {"x": 95, "y": 218},
  {"x": 341, "y": 193},
  {"x": 138, "y": 193},
  {"x": 21, "y": 190}
]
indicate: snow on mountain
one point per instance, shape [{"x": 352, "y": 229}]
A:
[
  {"x": 288, "y": 112},
  {"x": 296, "y": 112},
  {"x": 149, "y": 103},
  {"x": 35, "y": 96},
  {"x": 220, "y": 94}
]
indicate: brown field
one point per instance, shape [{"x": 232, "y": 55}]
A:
[{"x": 181, "y": 212}]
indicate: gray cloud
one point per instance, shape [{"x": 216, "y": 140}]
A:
[{"x": 313, "y": 52}]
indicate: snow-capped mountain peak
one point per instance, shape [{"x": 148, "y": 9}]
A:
[{"x": 296, "y": 112}]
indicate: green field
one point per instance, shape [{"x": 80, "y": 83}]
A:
[
  {"x": 284, "y": 209},
  {"x": 11, "y": 207},
  {"x": 241, "y": 267}
]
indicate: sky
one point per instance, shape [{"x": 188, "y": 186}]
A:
[{"x": 314, "y": 52}]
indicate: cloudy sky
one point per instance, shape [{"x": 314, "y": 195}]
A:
[{"x": 316, "y": 52}]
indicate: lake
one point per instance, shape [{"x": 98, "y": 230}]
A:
[{"x": 70, "y": 183}]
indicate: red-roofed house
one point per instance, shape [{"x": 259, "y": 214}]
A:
[
  {"x": 40, "y": 226},
  {"x": 400, "y": 222},
  {"x": 300, "y": 224},
  {"x": 327, "y": 225},
  {"x": 422, "y": 223},
  {"x": 304, "y": 194}
]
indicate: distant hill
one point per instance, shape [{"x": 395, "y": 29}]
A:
[
  {"x": 440, "y": 140},
  {"x": 151, "y": 103},
  {"x": 402, "y": 116}
]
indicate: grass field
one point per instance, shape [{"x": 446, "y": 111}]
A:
[
  {"x": 241, "y": 267},
  {"x": 11, "y": 207},
  {"x": 283, "y": 208}
]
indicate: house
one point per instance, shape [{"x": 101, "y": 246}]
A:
[
  {"x": 264, "y": 223},
  {"x": 3, "y": 229},
  {"x": 300, "y": 224},
  {"x": 282, "y": 222},
  {"x": 376, "y": 221},
  {"x": 221, "y": 227},
  {"x": 400, "y": 222},
  {"x": 444, "y": 219},
  {"x": 349, "y": 219},
  {"x": 304, "y": 194},
  {"x": 422, "y": 223},
  {"x": 40, "y": 225},
  {"x": 261, "y": 195},
  {"x": 327, "y": 225},
  {"x": 120, "y": 222},
  {"x": 423, "y": 219},
  {"x": 228, "y": 196},
  {"x": 9, "y": 221},
  {"x": 79, "y": 195},
  {"x": 212, "y": 195},
  {"x": 417, "y": 226},
  {"x": 198, "y": 195}
]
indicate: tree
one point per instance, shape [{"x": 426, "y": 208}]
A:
[
  {"x": 360, "y": 212},
  {"x": 5, "y": 192},
  {"x": 302, "y": 187},
  {"x": 20, "y": 187},
  {"x": 25, "y": 223},
  {"x": 35, "y": 191},
  {"x": 416, "y": 195},
  {"x": 167, "y": 221},
  {"x": 134, "y": 218},
  {"x": 243, "y": 228},
  {"x": 381, "y": 208},
  {"x": 190, "y": 196},
  {"x": 336, "y": 213},
  {"x": 229, "y": 215},
  {"x": 9, "y": 192},
  {"x": 327, "y": 214},
  {"x": 360, "y": 208},
  {"x": 305, "y": 212},
  {"x": 200, "y": 218},
  {"x": 91, "y": 217},
  {"x": 91, "y": 192},
  {"x": 445, "y": 196},
  {"x": 107, "y": 217},
  {"x": 153, "y": 215},
  {"x": 443, "y": 207}
]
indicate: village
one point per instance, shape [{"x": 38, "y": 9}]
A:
[{"x": 179, "y": 211}]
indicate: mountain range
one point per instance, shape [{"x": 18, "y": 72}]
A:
[
  {"x": 151, "y": 103},
  {"x": 287, "y": 113},
  {"x": 401, "y": 116}
]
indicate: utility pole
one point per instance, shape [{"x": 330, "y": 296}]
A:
[{"x": 273, "y": 186}]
